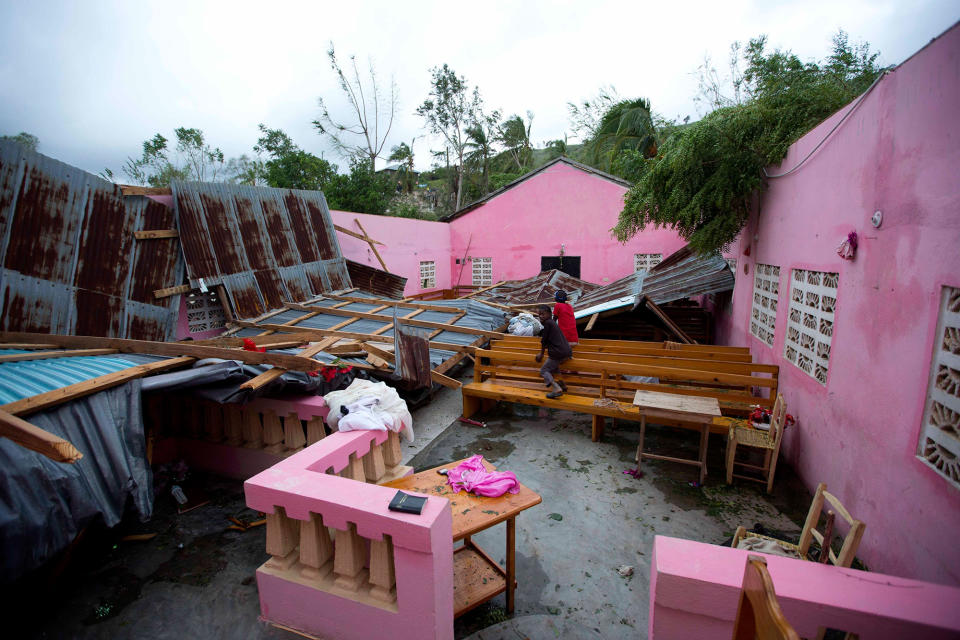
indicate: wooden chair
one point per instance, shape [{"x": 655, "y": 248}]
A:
[
  {"x": 743, "y": 434},
  {"x": 758, "y": 614},
  {"x": 850, "y": 543}
]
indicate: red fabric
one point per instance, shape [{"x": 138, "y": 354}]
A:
[{"x": 565, "y": 320}]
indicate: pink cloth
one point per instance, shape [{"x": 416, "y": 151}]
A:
[{"x": 472, "y": 476}]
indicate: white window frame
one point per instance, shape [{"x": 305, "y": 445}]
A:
[
  {"x": 939, "y": 445},
  {"x": 428, "y": 274},
  {"x": 810, "y": 322},
  {"x": 766, "y": 299},
  {"x": 643, "y": 262},
  {"x": 482, "y": 271}
]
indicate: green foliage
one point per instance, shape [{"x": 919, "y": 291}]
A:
[
  {"x": 192, "y": 159},
  {"x": 404, "y": 155},
  {"x": 499, "y": 180},
  {"x": 28, "y": 140},
  {"x": 514, "y": 134},
  {"x": 704, "y": 177},
  {"x": 627, "y": 126},
  {"x": 289, "y": 166},
  {"x": 362, "y": 190}
]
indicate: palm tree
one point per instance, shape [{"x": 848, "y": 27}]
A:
[
  {"x": 480, "y": 143},
  {"x": 627, "y": 125},
  {"x": 404, "y": 155},
  {"x": 514, "y": 133}
]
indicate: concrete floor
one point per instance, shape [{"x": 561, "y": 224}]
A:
[{"x": 195, "y": 579}]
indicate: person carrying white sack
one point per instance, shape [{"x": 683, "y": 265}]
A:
[{"x": 371, "y": 406}]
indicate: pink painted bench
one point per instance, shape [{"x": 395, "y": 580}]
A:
[
  {"x": 695, "y": 588},
  {"x": 380, "y": 572}
]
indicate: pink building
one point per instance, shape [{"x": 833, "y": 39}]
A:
[
  {"x": 869, "y": 349},
  {"x": 563, "y": 209}
]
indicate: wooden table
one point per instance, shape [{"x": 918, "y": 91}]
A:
[
  {"x": 695, "y": 409},
  {"x": 476, "y": 576}
]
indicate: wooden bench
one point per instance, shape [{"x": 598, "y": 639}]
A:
[
  {"x": 598, "y": 386},
  {"x": 632, "y": 347}
]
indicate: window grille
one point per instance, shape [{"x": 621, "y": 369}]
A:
[
  {"x": 813, "y": 297},
  {"x": 482, "y": 272},
  {"x": 939, "y": 444},
  {"x": 204, "y": 311},
  {"x": 428, "y": 274},
  {"x": 646, "y": 261},
  {"x": 766, "y": 296}
]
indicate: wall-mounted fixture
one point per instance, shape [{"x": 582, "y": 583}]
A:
[{"x": 877, "y": 219}]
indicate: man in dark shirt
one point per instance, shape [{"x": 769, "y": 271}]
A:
[{"x": 558, "y": 350}]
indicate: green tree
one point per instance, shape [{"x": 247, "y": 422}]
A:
[
  {"x": 289, "y": 166},
  {"x": 193, "y": 159},
  {"x": 481, "y": 136},
  {"x": 586, "y": 115},
  {"x": 362, "y": 190},
  {"x": 626, "y": 126},
  {"x": 28, "y": 140},
  {"x": 514, "y": 134},
  {"x": 705, "y": 174},
  {"x": 403, "y": 154},
  {"x": 372, "y": 111},
  {"x": 449, "y": 111}
]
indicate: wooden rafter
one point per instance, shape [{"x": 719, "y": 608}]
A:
[
  {"x": 355, "y": 335},
  {"x": 37, "y": 439},
  {"x": 47, "y": 355},
  {"x": 316, "y": 310},
  {"x": 295, "y": 363}
]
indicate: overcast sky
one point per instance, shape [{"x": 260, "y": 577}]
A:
[{"x": 93, "y": 80}]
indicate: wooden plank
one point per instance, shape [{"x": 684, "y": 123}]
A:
[
  {"x": 373, "y": 246},
  {"x": 136, "y": 190},
  {"x": 295, "y": 363},
  {"x": 267, "y": 377},
  {"x": 694, "y": 405},
  {"x": 671, "y": 325},
  {"x": 446, "y": 381},
  {"x": 446, "y": 346},
  {"x": 355, "y": 234},
  {"x": 593, "y": 320},
  {"x": 170, "y": 291},
  {"x": 36, "y": 439},
  {"x": 381, "y": 301},
  {"x": 156, "y": 234},
  {"x": 47, "y": 355},
  {"x": 27, "y": 346},
  {"x": 65, "y": 394},
  {"x": 373, "y": 349},
  {"x": 403, "y": 320},
  {"x": 485, "y": 289}
]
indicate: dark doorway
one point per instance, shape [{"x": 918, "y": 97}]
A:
[{"x": 570, "y": 265}]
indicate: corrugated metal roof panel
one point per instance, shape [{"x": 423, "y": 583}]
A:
[
  {"x": 266, "y": 246},
  {"x": 28, "y": 378},
  {"x": 686, "y": 274},
  {"x": 376, "y": 281},
  {"x": 70, "y": 263},
  {"x": 540, "y": 288}
]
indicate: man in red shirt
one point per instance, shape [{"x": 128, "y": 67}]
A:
[{"x": 563, "y": 314}]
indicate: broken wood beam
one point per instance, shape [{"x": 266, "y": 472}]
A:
[
  {"x": 171, "y": 291},
  {"x": 156, "y": 234},
  {"x": 65, "y": 394},
  {"x": 446, "y": 381},
  {"x": 377, "y": 351},
  {"x": 373, "y": 247},
  {"x": 267, "y": 377},
  {"x": 47, "y": 355},
  {"x": 136, "y": 190},
  {"x": 295, "y": 363},
  {"x": 408, "y": 320},
  {"x": 381, "y": 301},
  {"x": 354, "y": 234},
  {"x": 445, "y": 346},
  {"x": 593, "y": 321},
  {"x": 36, "y": 439}
]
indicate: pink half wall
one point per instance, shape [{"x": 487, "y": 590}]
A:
[
  {"x": 898, "y": 153},
  {"x": 407, "y": 242},
  {"x": 560, "y": 208}
]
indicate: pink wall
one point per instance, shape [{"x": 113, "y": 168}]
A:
[
  {"x": 695, "y": 590},
  {"x": 408, "y": 242},
  {"x": 897, "y": 153},
  {"x": 562, "y": 205}
]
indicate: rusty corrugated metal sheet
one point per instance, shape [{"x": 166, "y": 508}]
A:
[
  {"x": 626, "y": 290},
  {"x": 70, "y": 263},
  {"x": 540, "y": 288},
  {"x": 377, "y": 281},
  {"x": 686, "y": 274},
  {"x": 265, "y": 246}
]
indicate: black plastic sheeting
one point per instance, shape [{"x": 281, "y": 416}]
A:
[{"x": 45, "y": 504}]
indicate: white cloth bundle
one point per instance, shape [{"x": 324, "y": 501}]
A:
[{"x": 371, "y": 405}]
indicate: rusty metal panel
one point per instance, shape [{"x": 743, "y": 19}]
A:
[
  {"x": 626, "y": 289},
  {"x": 267, "y": 246},
  {"x": 686, "y": 274},
  {"x": 540, "y": 288},
  {"x": 371, "y": 280},
  {"x": 69, "y": 258}
]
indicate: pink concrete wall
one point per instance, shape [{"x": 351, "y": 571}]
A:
[
  {"x": 408, "y": 242},
  {"x": 563, "y": 205},
  {"x": 695, "y": 590},
  {"x": 897, "y": 153}
]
